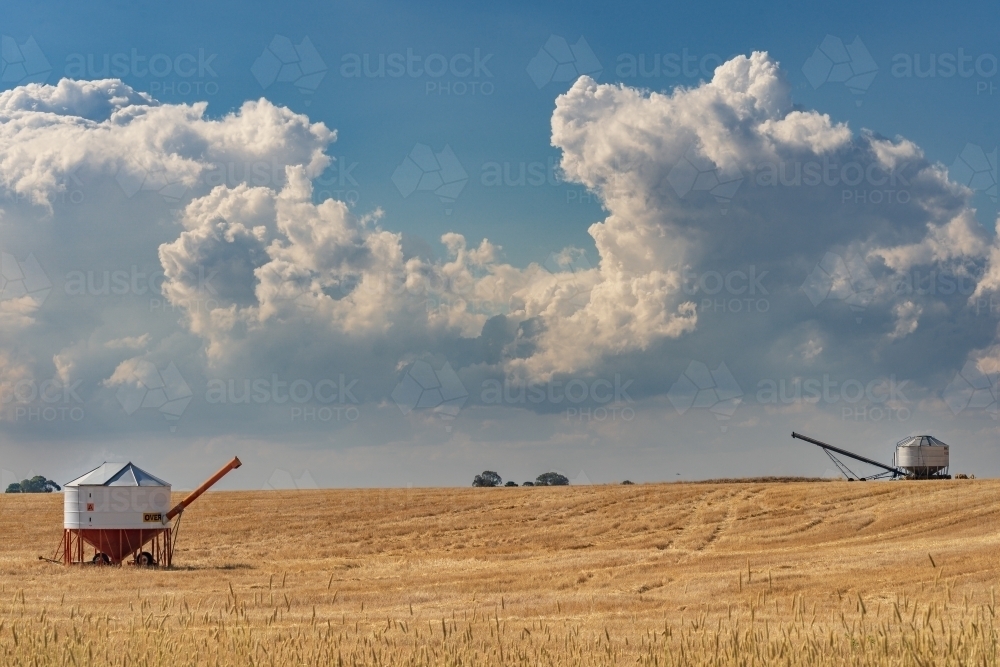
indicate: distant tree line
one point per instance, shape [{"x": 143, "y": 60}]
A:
[
  {"x": 36, "y": 484},
  {"x": 489, "y": 478}
]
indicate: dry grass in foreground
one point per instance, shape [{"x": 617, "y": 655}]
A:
[{"x": 899, "y": 573}]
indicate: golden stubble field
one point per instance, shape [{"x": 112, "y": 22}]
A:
[{"x": 729, "y": 573}]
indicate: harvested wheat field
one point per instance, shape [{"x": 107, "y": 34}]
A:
[{"x": 721, "y": 573}]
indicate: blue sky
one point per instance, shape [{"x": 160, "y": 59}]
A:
[
  {"x": 379, "y": 119},
  {"x": 493, "y": 105}
]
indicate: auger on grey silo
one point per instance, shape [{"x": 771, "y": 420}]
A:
[{"x": 916, "y": 457}]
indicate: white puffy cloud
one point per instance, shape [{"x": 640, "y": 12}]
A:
[
  {"x": 129, "y": 342},
  {"x": 954, "y": 242},
  {"x": 12, "y": 372},
  {"x": 48, "y": 132},
  {"x": 809, "y": 130},
  {"x": 261, "y": 278},
  {"x": 740, "y": 128},
  {"x": 990, "y": 281},
  {"x": 622, "y": 143},
  {"x": 907, "y": 315},
  {"x": 277, "y": 257},
  {"x": 90, "y": 100},
  {"x": 17, "y": 314},
  {"x": 274, "y": 260},
  {"x": 106, "y": 137}
]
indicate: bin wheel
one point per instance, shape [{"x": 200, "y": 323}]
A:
[
  {"x": 101, "y": 559},
  {"x": 145, "y": 559}
]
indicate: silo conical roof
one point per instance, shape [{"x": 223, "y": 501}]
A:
[
  {"x": 117, "y": 474},
  {"x": 920, "y": 441}
]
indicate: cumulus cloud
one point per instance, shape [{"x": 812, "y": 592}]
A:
[
  {"x": 990, "y": 281},
  {"x": 12, "y": 372},
  {"x": 907, "y": 316},
  {"x": 795, "y": 170},
  {"x": 954, "y": 242},
  {"x": 260, "y": 277},
  {"x": 17, "y": 314},
  {"x": 48, "y": 132},
  {"x": 129, "y": 342},
  {"x": 276, "y": 261},
  {"x": 277, "y": 257}
]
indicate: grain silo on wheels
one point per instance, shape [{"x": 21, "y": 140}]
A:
[
  {"x": 119, "y": 513},
  {"x": 923, "y": 457}
]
